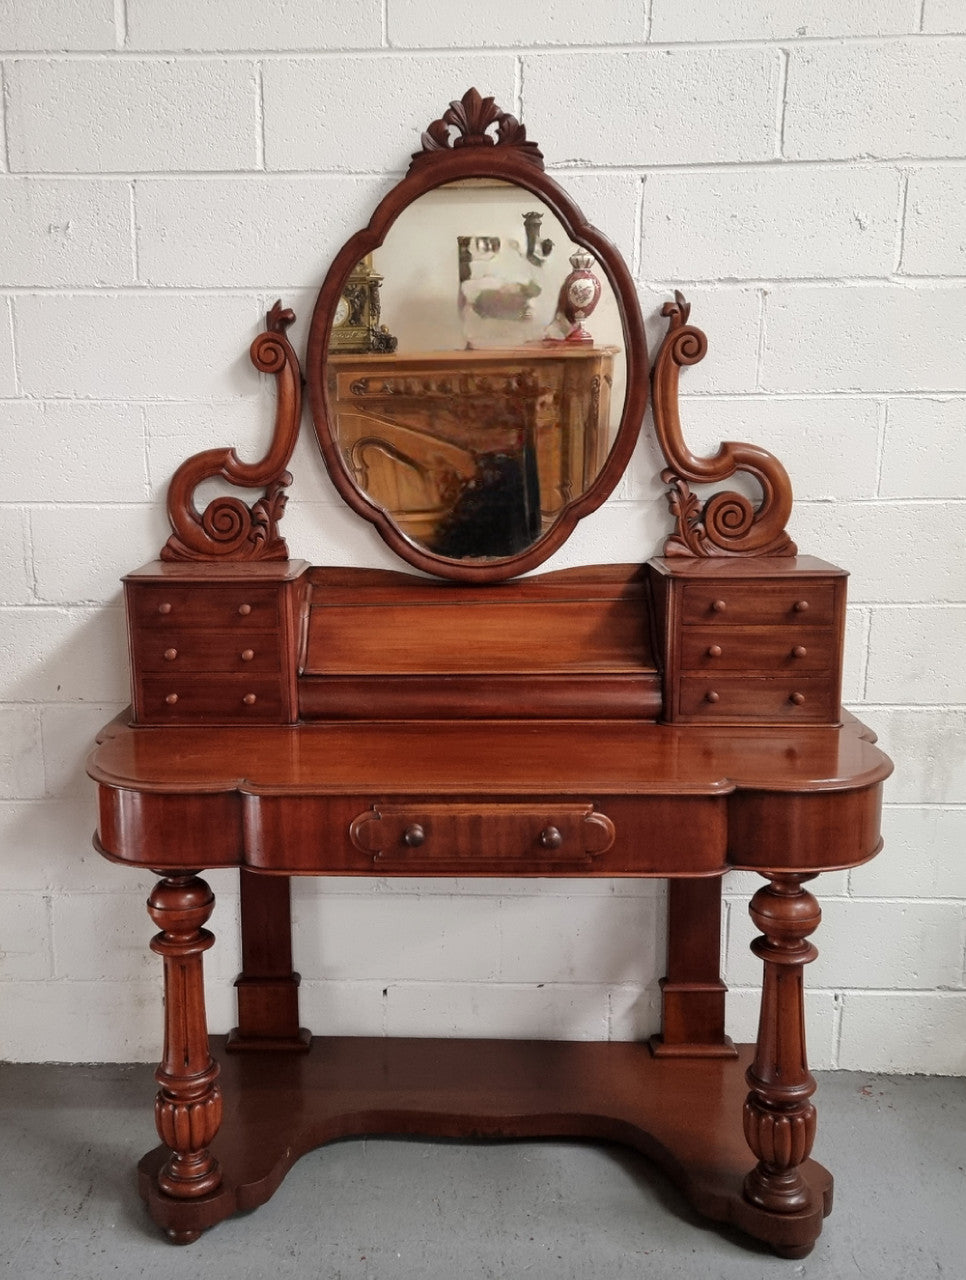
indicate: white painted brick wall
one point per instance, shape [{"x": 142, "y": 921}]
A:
[{"x": 168, "y": 168}]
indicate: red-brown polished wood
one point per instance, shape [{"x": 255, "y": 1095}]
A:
[{"x": 674, "y": 721}]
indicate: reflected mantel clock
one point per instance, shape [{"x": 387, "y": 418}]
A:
[
  {"x": 671, "y": 719},
  {"x": 356, "y": 319}
]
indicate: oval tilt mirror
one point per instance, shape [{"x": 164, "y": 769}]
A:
[{"x": 477, "y": 367}]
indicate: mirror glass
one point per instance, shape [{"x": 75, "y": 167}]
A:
[{"x": 476, "y": 371}]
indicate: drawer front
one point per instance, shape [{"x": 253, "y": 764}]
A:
[
  {"x": 242, "y": 607},
  {"x": 424, "y": 836},
  {"x": 777, "y": 700},
  {"x": 237, "y": 650},
  {"x": 199, "y": 700},
  {"x": 768, "y": 603},
  {"x": 758, "y": 649}
]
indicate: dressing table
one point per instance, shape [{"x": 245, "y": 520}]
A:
[{"x": 672, "y": 719}]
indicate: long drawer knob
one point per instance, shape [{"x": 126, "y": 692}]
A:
[
  {"x": 247, "y": 655},
  {"x": 170, "y": 655},
  {"x": 165, "y": 607},
  {"x": 714, "y": 650},
  {"x": 797, "y": 698},
  {"x": 801, "y": 606},
  {"x": 171, "y": 699},
  {"x": 550, "y": 838},
  {"x": 719, "y": 606},
  {"x": 244, "y": 610},
  {"x": 712, "y": 696},
  {"x": 414, "y": 835},
  {"x": 249, "y": 699},
  {"x": 799, "y": 651}
]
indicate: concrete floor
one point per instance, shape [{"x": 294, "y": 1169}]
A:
[{"x": 400, "y": 1209}]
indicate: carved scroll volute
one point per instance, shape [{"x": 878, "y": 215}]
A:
[
  {"x": 229, "y": 529},
  {"x": 728, "y": 524}
]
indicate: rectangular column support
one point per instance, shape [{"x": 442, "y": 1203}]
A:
[
  {"x": 267, "y": 987},
  {"x": 692, "y": 993}
]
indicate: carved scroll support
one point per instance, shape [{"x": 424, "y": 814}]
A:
[
  {"x": 188, "y": 1106},
  {"x": 229, "y": 529},
  {"x": 779, "y": 1119},
  {"x": 728, "y": 524}
]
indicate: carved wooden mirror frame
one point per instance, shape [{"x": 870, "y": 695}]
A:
[{"x": 474, "y": 139}]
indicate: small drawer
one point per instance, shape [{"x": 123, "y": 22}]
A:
[
  {"x": 238, "y": 651},
  {"x": 758, "y": 649},
  {"x": 197, "y": 700},
  {"x": 453, "y": 836},
  {"x": 742, "y": 698},
  {"x": 768, "y": 603},
  {"x": 241, "y": 607}
]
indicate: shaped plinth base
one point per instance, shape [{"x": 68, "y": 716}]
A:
[{"x": 685, "y": 1115}]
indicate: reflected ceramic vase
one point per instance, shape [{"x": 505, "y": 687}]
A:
[
  {"x": 500, "y": 287},
  {"x": 579, "y": 295}
]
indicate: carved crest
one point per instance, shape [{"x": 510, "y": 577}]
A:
[{"x": 478, "y": 122}]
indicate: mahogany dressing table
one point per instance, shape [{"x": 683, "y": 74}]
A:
[{"x": 673, "y": 719}]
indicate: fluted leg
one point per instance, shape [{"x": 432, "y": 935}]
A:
[
  {"x": 779, "y": 1119},
  {"x": 188, "y": 1106}
]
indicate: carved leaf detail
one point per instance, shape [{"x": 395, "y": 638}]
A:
[{"x": 477, "y": 122}]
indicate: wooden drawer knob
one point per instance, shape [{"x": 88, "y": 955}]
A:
[
  {"x": 164, "y": 607},
  {"x": 801, "y": 606},
  {"x": 414, "y": 835},
  {"x": 712, "y": 696},
  {"x": 714, "y": 650},
  {"x": 249, "y": 699},
  {"x": 797, "y": 698},
  {"x": 550, "y": 838},
  {"x": 799, "y": 651},
  {"x": 719, "y": 606},
  {"x": 170, "y": 655},
  {"x": 244, "y": 610},
  {"x": 171, "y": 699},
  {"x": 247, "y": 655}
]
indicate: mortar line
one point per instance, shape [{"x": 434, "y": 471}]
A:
[
  {"x": 4, "y": 122},
  {"x": 901, "y": 221},
  {"x": 259, "y": 117},
  {"x": 691, "y": 168},
  {"x": 637, "y": 248},
  {"x": 760, "y": 352},
  {"x": 782, "y": 101},
  {"x": 11, "y": 322},
  {"x": 120, "y": 25},
  {"x": 334, "y": 52},
  {"x": 132, "y": 209},
  {"x": 880, "y": 445}
]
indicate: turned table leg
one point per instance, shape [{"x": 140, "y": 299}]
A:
[
  {"x": 779, "y": 1118},
  {"x": 188, "y": 1106}
]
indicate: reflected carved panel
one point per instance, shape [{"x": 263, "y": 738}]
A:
[{"x": 473, "y": 452}]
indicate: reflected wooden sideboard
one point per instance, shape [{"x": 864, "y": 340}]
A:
[{"x": 412, "y": 426}]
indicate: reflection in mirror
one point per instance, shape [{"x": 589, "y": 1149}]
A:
[{"x": 476, "y": 370}]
